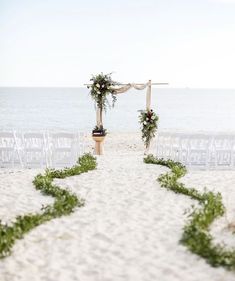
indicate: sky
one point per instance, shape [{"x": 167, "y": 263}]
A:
[{"x": 61, "y": 43}]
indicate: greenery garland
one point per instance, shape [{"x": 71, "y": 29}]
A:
[
  {"x": 196, "y": 236},
  {"x": 148, "y": 120},
  {"x": 101, "y": 87},
  {"x": 65, "y": 203}
]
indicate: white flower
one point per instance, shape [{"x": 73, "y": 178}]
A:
[
  {"x": 103, "y": 86},
  {"x": 147, "y": 119},
  {"x": 153, "y": 117},
  {"x": 145, "y": 123},
  {"x": 98, "y": 92},
  {"x": 98, "y": 85}
]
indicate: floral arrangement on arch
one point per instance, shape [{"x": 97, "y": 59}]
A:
[
  {"x": 148, "y": 119},
  {"x": 101, "y": 87}
]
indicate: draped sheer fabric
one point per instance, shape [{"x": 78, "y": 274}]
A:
[
  {"x": 123, "y": 89},
  {"x": 127, "y": 87}
]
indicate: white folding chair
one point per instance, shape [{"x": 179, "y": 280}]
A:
[
  {"x": 233, "y": 151},
  {"x": 183, "y": 148},
  {"x": 81, "y": 143},
  {"x": 198, "y": 150},
  {"x": 9, "y": 150},
  {"x": 175, "y": 146},
  {"x": 63, "y": 149},
  {"x": 159, "y": 145},
  {"x": 223, "y": 151},
  {"x": 163, "y": 145},
  {"x": 34, "y": 150}
]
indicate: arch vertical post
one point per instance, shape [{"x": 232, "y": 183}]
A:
[
  {"x": 99, "y": 139},
  {"x": 148, "y": 95},
  {"x": 148, "y": 105},
  {"x": 98, "y": 116}
]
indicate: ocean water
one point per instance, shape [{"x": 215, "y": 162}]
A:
[{"x": 73, "y": 109}]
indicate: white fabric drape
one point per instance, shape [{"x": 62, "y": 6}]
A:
[
  {"x": 127, "y": 87},
  {"x": 124, "y": 89}
]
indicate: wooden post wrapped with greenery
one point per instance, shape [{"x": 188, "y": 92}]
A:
[{"x": 100, "y": 89}]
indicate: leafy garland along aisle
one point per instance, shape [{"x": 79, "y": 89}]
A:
[
  {"x": 65, "y": 203},
  {"x": 196, "y": 236}
]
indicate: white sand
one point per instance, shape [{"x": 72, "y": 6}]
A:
[{"x": 129, "y": 229}]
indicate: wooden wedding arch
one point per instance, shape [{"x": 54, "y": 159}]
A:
[{"x": 122, "y": 88}]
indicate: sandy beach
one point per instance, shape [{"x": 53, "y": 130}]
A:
[
  {"x": 75, "y": 74},
  {"x": 128, "y": 230}
]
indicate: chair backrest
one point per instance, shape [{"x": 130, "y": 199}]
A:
[
  {"x": 198, "y": 149},
  {"x": 162, "y": 141},
  {"x": 40, "y": 149},
  {"x": 62, "y": 140},
  {"x": 199, "y": 141},
  {"x": 34, "y": 140},
  {"x": 223, "y": 141},
  {"x": 35, "y": 149},
  {"x": 10, "y": 151},
  {"x": 7, "y": 140},
  {"x": 63, "y": 149},
  {"x": 81, "y": 143}
]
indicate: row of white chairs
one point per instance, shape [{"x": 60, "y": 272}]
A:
[
  {"x": 198, "y": 150},
  {"x": 40, "y": 149}
]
